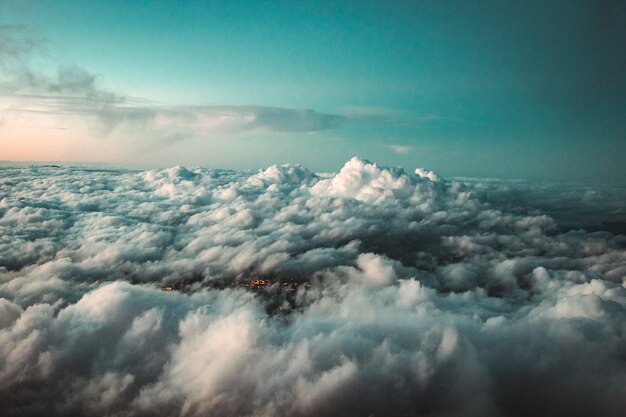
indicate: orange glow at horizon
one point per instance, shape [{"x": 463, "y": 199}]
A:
[{"x": 48, "y": 138}]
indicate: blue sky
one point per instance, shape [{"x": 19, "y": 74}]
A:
[{"x": 489, "y": 88}]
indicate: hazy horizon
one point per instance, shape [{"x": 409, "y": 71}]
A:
[
  {"x": 144, "y": 167},
  {"x": 481, "y": 89}
]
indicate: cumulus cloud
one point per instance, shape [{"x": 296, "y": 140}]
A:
[{"x": 417, "y": 295}]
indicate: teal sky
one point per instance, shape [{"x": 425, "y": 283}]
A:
[{"x": 487, "y": 88}]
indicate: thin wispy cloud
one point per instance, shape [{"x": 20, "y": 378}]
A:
[
  {"x": 401, "y": 149},
  {"x": 224, "y": 119},
  {"x": 73, "y": 91}
]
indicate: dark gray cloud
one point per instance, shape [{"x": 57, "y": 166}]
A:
[{"x": 426, "y": 296}]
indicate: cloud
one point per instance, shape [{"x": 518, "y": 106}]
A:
[
  {"x": 74, "y": 91},
  {"x": 74, "y": 94},
  {"x": 423, "y": 296},
  {"x": 18, "y": 42},
  {"x": 204, "y": 120},
  {"x": 401, "y": 149}
]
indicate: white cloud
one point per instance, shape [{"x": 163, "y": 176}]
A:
[
  {"x": 425, "y": 296},
  {"x": 401, "y": 149}
]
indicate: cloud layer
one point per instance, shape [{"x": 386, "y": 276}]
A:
[{"x": 424, "y": 296}]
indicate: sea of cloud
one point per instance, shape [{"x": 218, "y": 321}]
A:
[{"x": 418, "y": 296}]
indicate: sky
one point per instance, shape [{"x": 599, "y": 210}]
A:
[{"x": 531, "y": 90}]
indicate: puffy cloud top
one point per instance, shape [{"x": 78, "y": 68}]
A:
[
  {"x": 366, "y": 181},
  {"x": 417, "y": 296}
]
